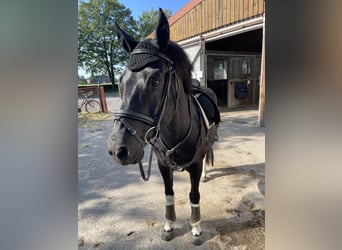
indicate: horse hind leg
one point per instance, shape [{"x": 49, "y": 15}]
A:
[
  {"x": 207, "y": 160},
  {"x": 204, "y": 177}
]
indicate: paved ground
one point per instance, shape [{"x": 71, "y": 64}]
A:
[{"x": 118, "y": 210}]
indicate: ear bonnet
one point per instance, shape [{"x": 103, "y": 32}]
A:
[{"x": 143, "y": 54}]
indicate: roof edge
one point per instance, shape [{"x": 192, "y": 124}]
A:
[
  {"x": 180, "y": 13},
  {"x": 185, "y": 9}
]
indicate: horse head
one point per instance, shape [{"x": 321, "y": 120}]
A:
[{"x": 143, "y": 88}]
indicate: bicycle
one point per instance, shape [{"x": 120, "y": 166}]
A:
[{"x": 91, "y": 105}]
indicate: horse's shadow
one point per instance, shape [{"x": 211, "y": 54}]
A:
[
  {"x": 256, "y": 169},
  {"x": 225, "y": 229},
  {"x": 231, "y": 227},
  {"x": 241, "y": 219}
]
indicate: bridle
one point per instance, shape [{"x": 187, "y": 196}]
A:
[
  {"x": 154, "y": 122},
  {"x": 152, "y": 135}
]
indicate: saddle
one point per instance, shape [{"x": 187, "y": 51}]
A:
[{"x": 207, "y": 102}]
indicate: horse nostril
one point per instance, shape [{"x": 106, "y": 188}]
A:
[
  {"x": 110, "y": 152},
  {"x": 122, "y": 153}
]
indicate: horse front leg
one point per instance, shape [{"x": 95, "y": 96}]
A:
[
  {"x": 170, "y": 213},
  {"x": 194, "y": 196}
]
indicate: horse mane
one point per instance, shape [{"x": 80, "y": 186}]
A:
[{"x": 182, "y": 64}]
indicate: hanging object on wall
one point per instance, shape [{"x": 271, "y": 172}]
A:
[{"x": 241, "y": 90}]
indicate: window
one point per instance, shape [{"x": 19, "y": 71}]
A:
[{"x": 220, "y": 71}]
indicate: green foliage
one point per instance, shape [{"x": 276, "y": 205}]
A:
[
  {"x": 99, "y": 50},
  {"x": 82, "y": 80},
  {"x": 148, "y": 22}
]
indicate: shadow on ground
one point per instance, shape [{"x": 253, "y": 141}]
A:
[{"x": 118, "y": 210}]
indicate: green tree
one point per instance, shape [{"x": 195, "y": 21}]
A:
[
  {"x": 147, "y": 22},
  {"x": 99, "y": 51},
  {"x": 82, "y": 80}
]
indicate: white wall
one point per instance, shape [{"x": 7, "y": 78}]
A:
[{"x": 192, "y": 51}]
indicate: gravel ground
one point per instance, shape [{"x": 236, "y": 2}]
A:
[{"x": 118, "y": 210}]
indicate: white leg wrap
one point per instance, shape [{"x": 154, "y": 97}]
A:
[
  {"x": 195, "y": 220},
  {"x": 170, "y": 214},
  {"x": 170, "y": 200},
  {"x": 195, "y": 205}
]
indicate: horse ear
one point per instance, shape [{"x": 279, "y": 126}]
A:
[
  {"x": 162, "y": 30},
  {"x": 127, "y": 42}
]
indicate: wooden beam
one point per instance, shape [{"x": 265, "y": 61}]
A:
[{"x": 261, "y": 119}]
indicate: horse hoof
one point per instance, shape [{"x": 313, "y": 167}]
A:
[
  {"x": 167, "y": 236},
  {"x": 197, "y": 240}
]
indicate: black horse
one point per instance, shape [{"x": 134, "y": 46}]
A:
[{"x": 161, "y": 106}]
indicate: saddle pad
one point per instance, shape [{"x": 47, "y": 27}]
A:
[{"x": 206, "y": 99}]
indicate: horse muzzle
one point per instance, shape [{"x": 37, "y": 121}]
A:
[{"x": 124, "y": 153}]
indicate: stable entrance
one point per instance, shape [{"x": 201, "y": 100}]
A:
[{"x": 233, "y": 69}]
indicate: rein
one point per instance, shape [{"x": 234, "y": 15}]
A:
[
  {"x": 141, "y": 168},
  {"x": 155, "y": 140}
]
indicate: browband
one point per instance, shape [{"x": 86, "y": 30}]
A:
[
  {"x": 133, "y": 115},
  {"x": 151, "y": 52}
]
